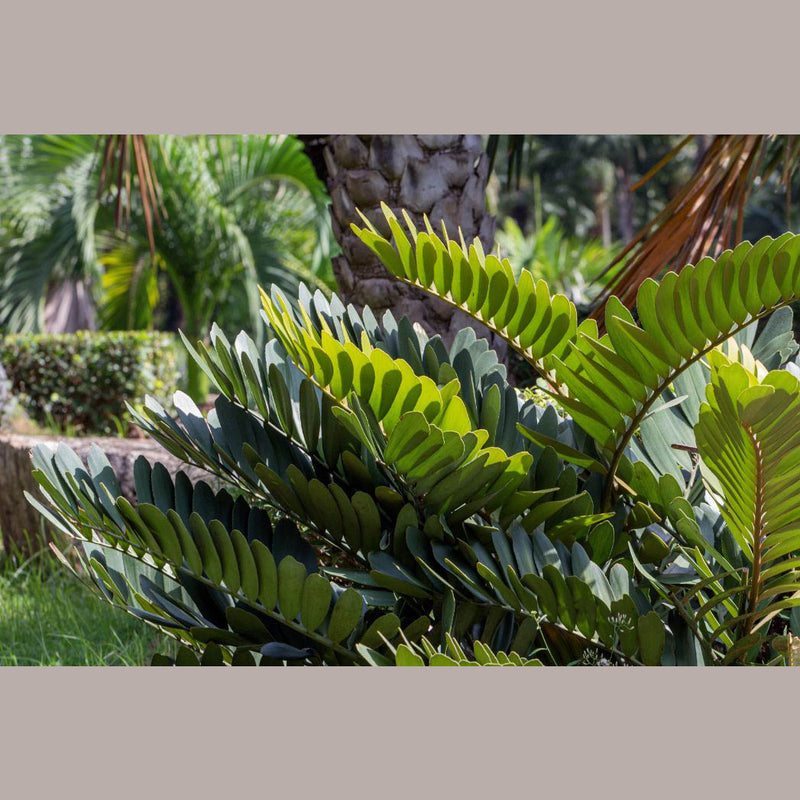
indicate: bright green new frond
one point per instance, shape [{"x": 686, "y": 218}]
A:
[
  {"x": 519, "y": 309},
  {"x": 453, "y": 655},
  {"x": 423, "y": 431},
  {"x": 387, "y": 385}
]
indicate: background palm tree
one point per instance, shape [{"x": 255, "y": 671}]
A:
[
  {"x": 49, "y": 213},
  {"x": 231, "y": 212}
]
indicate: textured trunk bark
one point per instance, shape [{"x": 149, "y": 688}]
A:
[{"x": 441, "y": 176}]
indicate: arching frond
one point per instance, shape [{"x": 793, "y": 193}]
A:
[{"x": 520, "y": 310}]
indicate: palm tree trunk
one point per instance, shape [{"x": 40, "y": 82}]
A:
[
  {"x": 69, "y": 308},
  {"x": 441, "y": 176},
  {"x": 603, "y": 217},
  {"x": 624, "y": 201}
]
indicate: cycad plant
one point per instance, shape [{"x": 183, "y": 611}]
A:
[{"x": 387, "y": 500}]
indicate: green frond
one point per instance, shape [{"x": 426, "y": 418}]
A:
[
  {"x": 248, "y": 164},
  {"x": 202, "y": 566},
  {"x": 748, "y": 437},
  {"x": 615, "y": 380},
  {"x": 520, "y": 310},
  {"x": 130, "y": 288},
  {"x": 421, "y": 430},
  {"x": 453, "y": 655}
]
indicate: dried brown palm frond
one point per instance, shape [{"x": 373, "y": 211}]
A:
[
  {"x": 115, "y": 171},
  {"x": 699, "y": 217},
  {"x": 705, "y": 216}
]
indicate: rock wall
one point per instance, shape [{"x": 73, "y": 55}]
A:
[{"x": 18, "y": 517}]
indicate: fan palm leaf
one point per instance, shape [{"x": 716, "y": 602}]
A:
[{"x": 50, "y": 233}]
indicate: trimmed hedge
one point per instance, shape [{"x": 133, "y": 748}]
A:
[{"x": 83, "y": 379}]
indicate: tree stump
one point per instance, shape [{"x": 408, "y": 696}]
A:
[{"x": 23, "y": 528}]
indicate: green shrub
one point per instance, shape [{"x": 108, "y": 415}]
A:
[
  {"x": 82, "y": 380},
  {"x": 654, "y": 520}
]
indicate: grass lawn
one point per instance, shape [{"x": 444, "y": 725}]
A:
[{"x": 48, "y": 618}]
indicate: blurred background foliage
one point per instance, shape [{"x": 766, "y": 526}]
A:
[
  {"x": 658, "y": 202},
  {"x": 233, "y": 211},
  {"x": 79, "y": 248},
  {"x": 82, "y": 246},
  {"x": 586, "y": 181}
]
